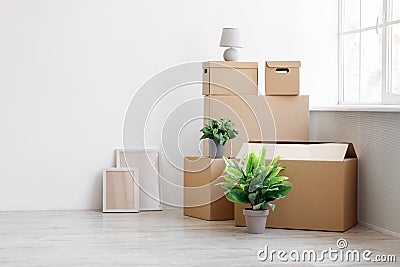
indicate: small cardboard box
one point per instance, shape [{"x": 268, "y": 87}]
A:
[
  {"x": 324, "y": 196},
  {"x": 204, "y": 199},
  {"x": 230, "y": 78},
  {"x": 272, "y": 118},
  {"x": 282, "y": 77}
]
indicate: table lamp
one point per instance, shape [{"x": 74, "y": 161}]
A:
[{"x": 231, "y": 38}]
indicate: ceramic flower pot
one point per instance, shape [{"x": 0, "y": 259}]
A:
[
  {"x": 216, "y": 149},
  {"x": 255, "y": 220}
]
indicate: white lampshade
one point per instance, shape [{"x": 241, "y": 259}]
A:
[{"x": 231, "y": 37}]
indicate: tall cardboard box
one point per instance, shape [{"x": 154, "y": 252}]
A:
[
  {"x": 282, "y": 118},
  {"x": 282, "y": 77},
  {"x": 230, "y": 78},
  {"x": 203, "y": 199},
  {"x": 324, "y": 195}
]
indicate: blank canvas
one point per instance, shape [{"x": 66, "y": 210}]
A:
[
  {"x": 147, "y": 163},
  {"x": 120, "y": 190}
]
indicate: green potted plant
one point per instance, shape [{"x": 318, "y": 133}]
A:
[
  {"x": 218, "y": 132},
  {"x": 254, "y": 181}
]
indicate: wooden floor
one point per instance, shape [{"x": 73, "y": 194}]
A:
[{"x": 167, "y": 238}]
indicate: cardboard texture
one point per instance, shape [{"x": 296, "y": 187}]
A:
[
  {"x": 202, "y": 198},
  {"x": 282, "y": 77},
  {"x": 282, "y": 118},
  {"x": 230, "y": 78},
  {"x": 324, "y": 196}
]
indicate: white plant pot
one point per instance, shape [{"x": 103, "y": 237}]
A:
[
  {"x": 216, "y": 149},
  {"x": 255, "y": 220}
]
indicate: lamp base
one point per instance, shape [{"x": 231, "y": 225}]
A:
[{"x": 231, "y": 54}]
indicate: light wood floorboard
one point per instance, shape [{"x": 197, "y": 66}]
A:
[{"x": 164, "y": 238}]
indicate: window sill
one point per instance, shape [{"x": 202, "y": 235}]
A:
[{"x": 357, "y": 108}]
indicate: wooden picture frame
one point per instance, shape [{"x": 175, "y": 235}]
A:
[
  {"x": 147, "y": 161},
  {"x": 121, "y": 190}
]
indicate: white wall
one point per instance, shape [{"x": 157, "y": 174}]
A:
[
  {"x": 68, "y": 70},
  {"x": 376, "y": 140}
]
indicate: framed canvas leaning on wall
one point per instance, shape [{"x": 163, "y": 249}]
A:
[
  {"x": 121, "y": 190},
  {"x": 147, "y": 161}
]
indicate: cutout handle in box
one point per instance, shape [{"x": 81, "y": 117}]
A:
[{"x": 282, "y": 70}]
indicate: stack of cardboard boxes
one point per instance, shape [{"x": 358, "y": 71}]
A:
[{"x": 230, "y": 91}]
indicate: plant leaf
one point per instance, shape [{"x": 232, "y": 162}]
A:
[
  {"x": 272, "y": 206},
  {"x": 276, "y": 180},
  {"x": 249, "y": 165},
  {"x": 273, "y": 162},
  {"x": 282, "y": 191},
  {"x": 260, "y": 206},
  {"x": 255, "y": 183},
  {"x": 234, "y": 172},
  {"x": 274, "y": 172},
  {"x": 237, "y": 195},
  {"x": 221, "y": 130},
  {"x": 227, "y": 185},
  {"x": 263, "y": 154},
  {"x": 252, "y": 198},
  {"x": 251, "y": 180},
  {"x": 228, "y": 162},
  {"x": 231, "y": 179}
]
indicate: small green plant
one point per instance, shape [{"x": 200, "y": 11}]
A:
[
  {"x": 221, "y": 130},
  {"x": 252, "y": 181}
]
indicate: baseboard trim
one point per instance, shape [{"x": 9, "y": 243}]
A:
[{"x": 379, "y": 229}]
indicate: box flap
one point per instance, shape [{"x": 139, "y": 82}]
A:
[
  {"x": 302, "y": 151},
  {"x": 230, "y": 64},
  {"x": 286, "y": 151},
  {"x": 328, "y": 152},
  {"x": 351, "y": 152},
  {"x": 283, "y": 64}
]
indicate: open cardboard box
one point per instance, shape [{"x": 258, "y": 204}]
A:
[{"x": 324, "y": 175}]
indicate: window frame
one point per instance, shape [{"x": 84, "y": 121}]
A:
[{"x": 387, "y": 97}]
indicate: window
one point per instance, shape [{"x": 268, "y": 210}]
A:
[{"x": 369, "y": 51}]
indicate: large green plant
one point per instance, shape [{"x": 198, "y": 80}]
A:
[
  {"x": 221, "y": 130},
  {"x": 252, "y": 181}
]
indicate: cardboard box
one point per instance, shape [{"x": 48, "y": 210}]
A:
[
  {"x": 203, "y": 199},
  {"x": 324, "y": 196},
  {"x": 230, "y": 78},
  {"x": 282, "y": 77},
  {"x": 282, "y": 118},
  {"x": 238, "y": 213}
]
